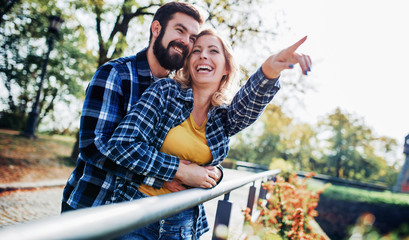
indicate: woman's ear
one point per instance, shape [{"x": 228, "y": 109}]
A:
[
  {"x": 226, "y": 71},
  {"x": 156, "y": 28}
]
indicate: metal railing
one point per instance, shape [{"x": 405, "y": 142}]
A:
[
  {"x": 251, "y": 167},
  {"x": 380, "y": 187},
  {"x": 109, "y": 221}
]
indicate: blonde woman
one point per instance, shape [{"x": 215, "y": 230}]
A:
[{"x": 192, "y": 118}]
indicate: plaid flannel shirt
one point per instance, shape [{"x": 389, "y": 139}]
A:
[
  {"x": 164, "y": 105},
  {"x": 114, "y": 88}
]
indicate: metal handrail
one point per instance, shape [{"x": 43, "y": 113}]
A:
[{"x": 109, "y": 221}]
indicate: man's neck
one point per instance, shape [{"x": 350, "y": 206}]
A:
[{"x": 156, "y": 69}]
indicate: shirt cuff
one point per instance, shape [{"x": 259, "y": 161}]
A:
[
  {"x": 264, "y": 81},
  {"x": 153, "y": 182}
]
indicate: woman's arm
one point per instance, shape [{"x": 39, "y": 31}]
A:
[{"x": 259, "y": 90}]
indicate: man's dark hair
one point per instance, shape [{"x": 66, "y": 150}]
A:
[{"x": 166, "y": 12}]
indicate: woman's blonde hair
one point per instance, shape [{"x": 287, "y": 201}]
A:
[{"x": 228, "y": 84}]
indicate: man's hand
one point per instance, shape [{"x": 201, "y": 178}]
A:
[{"x": 175, "y": 185}]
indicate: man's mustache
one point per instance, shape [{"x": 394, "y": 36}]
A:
[{"x": 184, "y": 48}]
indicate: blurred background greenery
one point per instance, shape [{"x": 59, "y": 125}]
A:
[{"x": 96, "y": 31}]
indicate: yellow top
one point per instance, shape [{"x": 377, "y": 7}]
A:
[{"x": 186, "y": 141}]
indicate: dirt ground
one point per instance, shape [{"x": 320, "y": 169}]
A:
[
  {"x": 25, "y": 160},
  {"x": 33, "y": 174}
]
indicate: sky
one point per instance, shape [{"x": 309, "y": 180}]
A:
[{"x": 360, "y": 53}]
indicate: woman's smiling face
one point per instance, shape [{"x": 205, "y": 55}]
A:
[{"x": 207, "y": 63}]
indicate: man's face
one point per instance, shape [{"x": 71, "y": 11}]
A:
[{"x": 175, "y": 42}]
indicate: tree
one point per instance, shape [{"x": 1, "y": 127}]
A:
[
  {"x": 240, "y": 22},
  {"x": 112, "y": 44},
  {"x": 23, "y": 44},
  {"x": 277, "y": 137},
  {"x": 340, "y": 145},
  {"x": 350, "y": 149},
  {"x": 276, "y": 128},
  {"x": 262, "y": 142},
  {"x": 300, "y": 144}
]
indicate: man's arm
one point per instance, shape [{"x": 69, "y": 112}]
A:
[{"x": 105, "y": 104}]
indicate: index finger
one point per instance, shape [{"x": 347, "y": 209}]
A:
[{"x": 294, "y": 47}]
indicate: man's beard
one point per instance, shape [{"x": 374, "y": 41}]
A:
[{"x": 169, "y": 61}]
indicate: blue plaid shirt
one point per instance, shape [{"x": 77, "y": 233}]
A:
[
  {"x": 115, "y": 87},
  {"x": 136, "y": 141}
]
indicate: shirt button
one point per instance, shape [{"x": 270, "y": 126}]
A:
[
  {"x": 161, "y": 230},
  {"x": 162, "y": 221}
]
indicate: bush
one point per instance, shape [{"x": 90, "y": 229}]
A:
[
  {"x": 287, "y": 213},
  {"x": 362, "y": 195}
]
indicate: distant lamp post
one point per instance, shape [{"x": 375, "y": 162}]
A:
[{"x": 54, "y": 28}]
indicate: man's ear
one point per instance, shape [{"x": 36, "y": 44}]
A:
[{"x": 156, "y": 28}]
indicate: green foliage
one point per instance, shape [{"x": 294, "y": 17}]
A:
[
  {"x": 351, "y": 149},
  {"x": 112, "y": 22},
  {"x": 341, "y": 145},
  {"x": 361, "y": 195},
  {"x": 278, "y": 137},
  {"x": 23, "y": 41},
  {"x": 240, "y": 21}
]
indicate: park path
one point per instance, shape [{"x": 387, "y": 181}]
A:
[{"x": 20, "y": 206}]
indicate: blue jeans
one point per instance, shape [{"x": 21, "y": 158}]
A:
[{"x": 176, "y": 227}]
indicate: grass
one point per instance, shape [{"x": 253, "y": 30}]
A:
[{"x": 23, "y": 159}]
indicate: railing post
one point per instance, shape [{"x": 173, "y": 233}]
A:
[
  {"x": 263, "y": 192},
  {"x": 250, "y": 200},
  {"x": 222, "y": 220}
]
